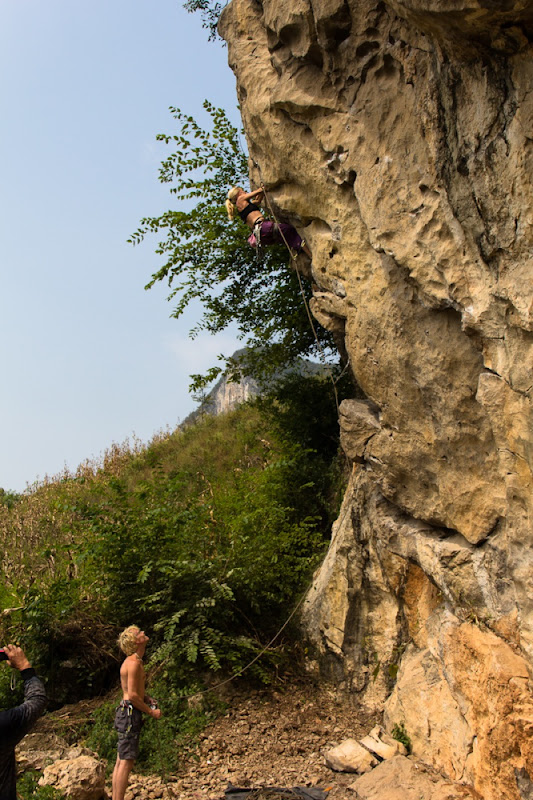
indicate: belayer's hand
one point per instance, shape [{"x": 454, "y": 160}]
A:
[
  {"x": 156, "y": 713},
  {"x": 16, "y": 657}
]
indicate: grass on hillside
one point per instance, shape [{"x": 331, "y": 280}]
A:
[{"x": 205, "y": 537}]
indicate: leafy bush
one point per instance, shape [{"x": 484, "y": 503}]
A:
[
  {"x": 215, "y": 550},
  {"x": 27, "y": 788},
  {"x": 400, "y": 734},
  {"x": 206, "y": 538}
]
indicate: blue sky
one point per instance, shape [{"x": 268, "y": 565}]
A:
[{"x": 88, "y": 357}]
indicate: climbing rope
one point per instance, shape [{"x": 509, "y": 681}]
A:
[
  {"x": 237, "y": 674},
  {"x": 165, "y": 778},
  {"x": 260, "y": 654},
  {"x": 271, "y": 642},
  {"x": 294, "y": 262},
  {"x": 162, "y": 770}
]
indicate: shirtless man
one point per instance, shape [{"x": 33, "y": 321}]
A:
[{"x": 128, "y": 717}]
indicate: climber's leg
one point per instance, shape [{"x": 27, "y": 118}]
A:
[
  {"x": 305, "y": 248},
  {"x": 283, "y": 233}
]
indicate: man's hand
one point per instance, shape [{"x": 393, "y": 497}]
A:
[
  {"x": 156, "y": 713},
  {"x": 16, "y": 657}
]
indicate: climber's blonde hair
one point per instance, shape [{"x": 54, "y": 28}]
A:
[
  {"x": 230, "y": 202},
  {"x": 127, "y": 641}
]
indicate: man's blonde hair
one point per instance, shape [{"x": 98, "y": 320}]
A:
[{"x": 127, "y": 641}]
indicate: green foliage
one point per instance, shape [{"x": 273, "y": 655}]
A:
[
  {"x": 10, "y": 697},
  {"x": 210, "y": 12},
  {"x": 209, "y": 260},
  {"x": 99, "y": 734},
  {"x": 64, "y": 636},
  {"x": 301, "y": 407},
  {"x": 215, "y": 550},
  {"x": 28, "y": 789},
  {"x": 400, "y": 734},
  {"x": 207, "y": 538},
  {"x": 8, "y": 498}
]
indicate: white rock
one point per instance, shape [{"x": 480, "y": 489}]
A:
[
  {"x": 350, "y": 756},
  {"x": 383, "y": 745},
  {"x": 81, "y": 778}
]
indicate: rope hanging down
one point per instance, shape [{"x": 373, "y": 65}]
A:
[
  {"x": 339, "y": 523},
  {"x": 294, "y": 261}
]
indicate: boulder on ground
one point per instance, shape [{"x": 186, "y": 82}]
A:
[
  {"x": 401, "y": 778},
  {"x": 350, "y": 756},
  {"x": 81, "y": 778},
  {"x": 37, "y": 750}
]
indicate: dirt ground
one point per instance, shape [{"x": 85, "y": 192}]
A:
[{"x": 266, "y": 738}]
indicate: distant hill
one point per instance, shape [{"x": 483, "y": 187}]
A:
[{"x": 226, "y": 395}]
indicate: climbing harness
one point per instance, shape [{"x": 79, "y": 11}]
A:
[
  {"x": 255, "y": 239},
  {"x": 128, "y": 706}
]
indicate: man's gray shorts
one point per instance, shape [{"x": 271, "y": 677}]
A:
[{"x": 128, "y": 724}]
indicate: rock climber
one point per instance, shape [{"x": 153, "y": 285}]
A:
[
  {"x": 129, "y": 714},
  {"x": 16, "y": 722},
  {"x": 264, "y": 232}
]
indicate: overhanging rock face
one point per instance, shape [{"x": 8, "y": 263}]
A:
[{"x": 397, "y": 137}]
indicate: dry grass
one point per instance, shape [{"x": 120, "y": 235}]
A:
[{"x": 38, "y": 532}]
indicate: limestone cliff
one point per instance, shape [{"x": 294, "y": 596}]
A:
[
  {"x": 229, "y": 393},
  {"x": 397, "y": 137}
]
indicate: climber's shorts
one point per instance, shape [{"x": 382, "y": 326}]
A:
[
  {"x": 128, "y": 724},
  {"x": 278, "y": 233}
]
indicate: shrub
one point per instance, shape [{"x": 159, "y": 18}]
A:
[
  {"x": 28, "y": 789},
  {"x": 206, "y": 538},
  {"x": 400, "y": 734}
]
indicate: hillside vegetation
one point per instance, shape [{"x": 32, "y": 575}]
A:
[{"x": 206, "y": 538}]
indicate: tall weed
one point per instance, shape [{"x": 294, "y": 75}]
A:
[{"x": 206, "y": 538}]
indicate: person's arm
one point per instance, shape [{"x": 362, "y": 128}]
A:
[
  {"x": 135, "y": 689},
  {"x": 255, "y": 193},
  {"x": 16, "y": 722}
]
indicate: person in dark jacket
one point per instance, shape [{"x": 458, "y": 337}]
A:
[{"x": 16, "y": 722}]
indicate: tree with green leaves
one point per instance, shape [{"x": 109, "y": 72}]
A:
[
  {"x": 210, "y": 11},
  {"x": 207, "y": 257}
]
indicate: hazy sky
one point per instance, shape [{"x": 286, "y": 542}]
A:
[{"x": 87, "y": 356}]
